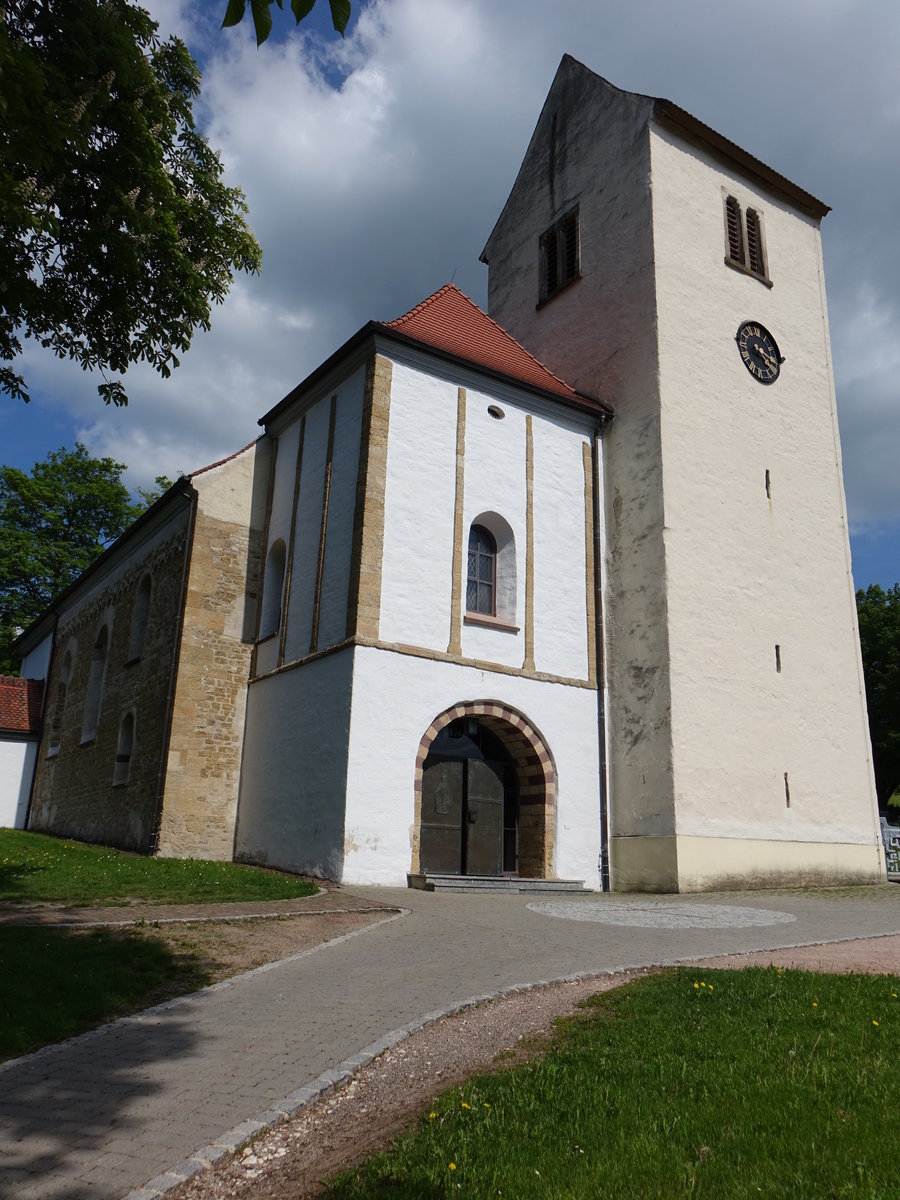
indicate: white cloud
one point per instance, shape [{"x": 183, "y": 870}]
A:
[{"x": 376, "y": 166}]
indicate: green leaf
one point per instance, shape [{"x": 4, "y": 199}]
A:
[
  {"x": 234, "y": 14},
  {"x": 122, "y": 178},
  {"x": 340, "y": 14},
  {"x": 302, "y": 8},
  {"x": 262, "y": 19}
]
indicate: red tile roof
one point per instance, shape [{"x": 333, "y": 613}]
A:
[
  {"x": 20, "y": 704},
  {"x": 450, "y": 321}
]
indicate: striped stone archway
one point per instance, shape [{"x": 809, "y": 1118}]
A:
[{"x": 536, "y": 773}]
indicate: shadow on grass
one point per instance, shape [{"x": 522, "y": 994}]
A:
[
  {"x": 55, "y": 983},
  {"x": 15, "y": 879},
  {"x": 60, "y": 1110}
]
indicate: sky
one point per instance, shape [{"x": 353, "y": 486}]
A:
[{"x": 376, "y": 165}]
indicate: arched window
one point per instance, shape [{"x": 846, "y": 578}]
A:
[
  {"x": 62, "y": 691},
  {"x": 139, "y": 618},
  {"x": 481, "y": 585},
  {"x": 270, "y": 620},
  {"x": 95, "y": 685},
  {"x": 123, "y": 751},
  {"x": 491, "y": 582}
]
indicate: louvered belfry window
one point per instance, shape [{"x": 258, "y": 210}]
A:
[
  {"x": 560, "y": 255},
  {"x": 743, "y": 234},
  {"x": 754, "y": 244},
  {"x": 735, "y": 230}
]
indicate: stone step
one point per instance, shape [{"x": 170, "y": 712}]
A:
[{"x": 501, "y": 884}]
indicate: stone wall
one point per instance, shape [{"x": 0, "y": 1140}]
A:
[
  {"x": 74, "y": 793},
  {"x": 206, "y": 739}
]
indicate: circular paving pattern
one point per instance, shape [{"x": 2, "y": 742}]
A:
[{"x": 660, "y": 914}]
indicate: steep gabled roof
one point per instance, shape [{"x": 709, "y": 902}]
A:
[
  {"x": 20, "y": 704},
  {"x": 454, "y": 328},
  {"x": 451, "y": 322}
]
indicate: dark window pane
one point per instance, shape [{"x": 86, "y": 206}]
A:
[{"x": 472, "y": 596}]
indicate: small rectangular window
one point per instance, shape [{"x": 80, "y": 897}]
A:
[{"x": 560, "y": 255}]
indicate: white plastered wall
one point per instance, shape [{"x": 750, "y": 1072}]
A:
[
  {"x": 339, "y": 531},
  {"x": 17, "y": 759},
  {"x": 294, "y": 768},
  {"x": 746, "y": 572},
  {"x": 36, "y": 663},
  {"x": 419, "y": 505},
  {"x": 385, "y": 737}
]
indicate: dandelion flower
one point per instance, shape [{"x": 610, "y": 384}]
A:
[
  {"x": 453, "y": 1166},
  {"x": 875, "y": 1023},
  {"x": 815, "y": 1004},
  {"x": 464, "y": 1105},
  {"x": 431, "y": 1116},
  {"x": 696, "y": 985},
  {"x": 711, "y": 988}
]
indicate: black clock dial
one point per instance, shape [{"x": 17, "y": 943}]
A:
[{"x": 759, "y": 351}]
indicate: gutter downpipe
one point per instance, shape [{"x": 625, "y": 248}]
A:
[
  {"x": 192, "y": 497},
  {"x": 597, "y": 449}
]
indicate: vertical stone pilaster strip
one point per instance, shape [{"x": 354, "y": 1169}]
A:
[
  {"x": 289, "y": 569},
  {"x": 326, "y": 494},
  {"x": 528, "y": 664},
  {"x": 455, "y": 644},
  {"x": 261, "y": 582},
  {"x": 364, "y": 591},
  {"x": 589, "y": 574}
]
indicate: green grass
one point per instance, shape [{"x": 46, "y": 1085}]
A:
[
  {"x": 759, "y": 1083},
  {"x": 34, "y": 867},
  {"x": 58, "y": 982}
]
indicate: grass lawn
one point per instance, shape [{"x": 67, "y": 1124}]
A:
[
  {"x": 726, "y": 1084},
  {"x": 55, "y": 983},
  {"x": 35, "y": 867}
]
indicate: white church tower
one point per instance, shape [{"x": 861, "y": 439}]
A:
[{"x": 655, "y": 265}]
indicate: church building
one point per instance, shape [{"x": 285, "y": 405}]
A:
[{"x": 560, "y": 591}]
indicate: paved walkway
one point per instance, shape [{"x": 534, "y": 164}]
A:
[
  {"x": 105, "y": 1113},
  {"x": 244, "y": 910}
]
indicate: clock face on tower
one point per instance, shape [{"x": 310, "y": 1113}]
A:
[{"x": 759, "y": 351}]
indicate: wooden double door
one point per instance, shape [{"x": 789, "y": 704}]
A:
[{"x": 469, "y": 806}]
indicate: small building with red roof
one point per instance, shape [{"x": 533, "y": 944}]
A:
[{"x": 20, "y": 728}]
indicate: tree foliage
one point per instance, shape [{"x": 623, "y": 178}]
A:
[
  {"x": 879, "y": 635},
  {"x": 261, "y": 11},
  {"x": 117, "y": 233},
  {"x": 53, "y": 523}
]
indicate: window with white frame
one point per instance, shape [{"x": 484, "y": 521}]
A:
[
  {"x": 491, "y": 583},
  {"x": 481, "y": 584}
]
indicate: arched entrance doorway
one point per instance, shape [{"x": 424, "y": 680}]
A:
[{"x": 485, "y": 792}]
